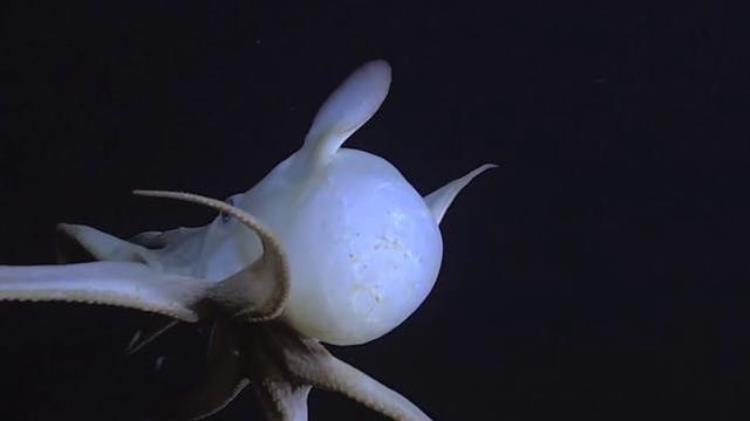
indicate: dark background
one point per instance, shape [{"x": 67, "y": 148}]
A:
[{"x": 595, "y": 275}]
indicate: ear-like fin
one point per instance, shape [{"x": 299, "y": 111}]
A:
[
  {"x": 347, "y": 109},
  {"x": 123, "y": 284},
  {"x": 439, "y": 200},
  {"x": 103, "y": 246}
]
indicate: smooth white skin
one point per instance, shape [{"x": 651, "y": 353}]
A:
[
  {"x": 334, "y": 241},
  {"x": 363, "y": 248}
]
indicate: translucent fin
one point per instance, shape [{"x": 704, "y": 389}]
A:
[
  {"x": 347, "y": 109},
  {"x": 123, "y": 284},
  {"x": 440, "y": 200}
]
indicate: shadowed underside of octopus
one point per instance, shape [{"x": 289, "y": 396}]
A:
[{"x": 332, "y": 246}]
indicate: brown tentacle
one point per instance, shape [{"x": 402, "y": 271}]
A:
[
  {"x": 269, "y": 273},
  {"x": 321, "y": 369},
  {"x": 225, "y": 377}
]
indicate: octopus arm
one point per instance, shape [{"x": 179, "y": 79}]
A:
[
  {"x": 225, "y": 377},
  {"x": 123, "y": 284},
  {"x": 329, "y": 372}
]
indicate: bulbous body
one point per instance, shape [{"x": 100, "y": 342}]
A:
[
  {"x": 364, "y": 249},
  {"x": 358, "y": 248},
  {"x": 333, "y": 245}
]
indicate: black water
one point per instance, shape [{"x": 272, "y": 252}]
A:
[{"x": 597, "y": 274}]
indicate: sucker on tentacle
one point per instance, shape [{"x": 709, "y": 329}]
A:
[
  {"x": 269, "y": 272},
  {"x": 333, "y": 246}
]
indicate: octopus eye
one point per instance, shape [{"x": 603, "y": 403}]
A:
[{"x": 225, "y": 217}]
